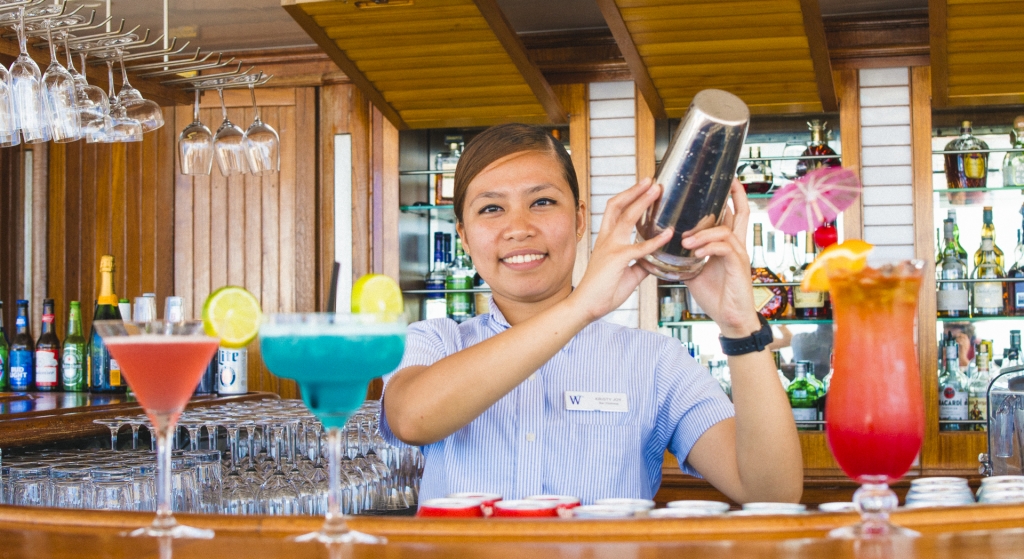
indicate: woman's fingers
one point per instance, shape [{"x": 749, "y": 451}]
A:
[
  {"x": 713, "y": 234},
  {"x": 639, "y": 250},
  {"x": 741, "y": 207}
]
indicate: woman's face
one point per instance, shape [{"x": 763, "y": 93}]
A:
[{"x": 520, "y": 226}]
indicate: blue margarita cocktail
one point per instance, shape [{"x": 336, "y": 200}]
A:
[{"x": 333, "y": 357}]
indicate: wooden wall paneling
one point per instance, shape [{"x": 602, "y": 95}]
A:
[
  {"x": 149, "y": 178},
  {"x": 576, "y": 101},
  {"x": 360, "y": 127},
  {"x": 645, "y": 168},
  {"x": 184, "y": 229},
  {"x": 334, "y": 110},
  {"x": 307, "y": 152},
  {"x": 224, "y": 227},
  {"x": 131, "y": 236},
  {"x": 117, "y": 201},
  {"x": 938, "y": 52},
  {"x": 389, "y": 198},
  {"x": 163, "y": 211},
  {"x": 12, "y": 229},
  {"x": 202, "y": 237},
  {"x": 40, "y": 228},
  {"x": 287, "y": 249},
  {"x": 237, "y": 215},
  {"x": 57, "y": 239},
  {"x": 848, "y": 82}
]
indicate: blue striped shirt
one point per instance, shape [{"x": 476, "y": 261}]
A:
[{"x": 528, "y": 442}]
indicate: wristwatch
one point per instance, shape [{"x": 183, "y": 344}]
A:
[{"x": 750, "y": 344}]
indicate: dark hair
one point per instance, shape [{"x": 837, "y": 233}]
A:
[{"x": 502, "y": 140}]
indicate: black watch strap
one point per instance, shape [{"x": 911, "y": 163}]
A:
[{"x": 752, "y": 343}]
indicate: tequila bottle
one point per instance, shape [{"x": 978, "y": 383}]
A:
[
  {"x": 459, "y": 277},
  {"x": 960, "y": 250},
  {"x": 988, "y": 295},
  {"x": 756, "y": 175},
  {"x": 809, "y": 304},
  {"x": 977, "y": 388},
  {"x": 803, "y": 396},
  {"x": 1015, "y": 289},
  {"x": 966, "y": 170},
  {"x": 818, "y": 146},
  {"x": 952, "y": 298},
  {"x": 787, "y": 269},
  {"x": 952, "y": 390},
  {"x": 444, "y": 183},
  {"x": 988, "y": 231},
  {"x": 434, "y": 304},
  {"x": 769, "y": 301},
  {"x": 1013, "y": 162}
]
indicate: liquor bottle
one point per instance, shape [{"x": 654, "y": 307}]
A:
[
  {"x": 459, "y": 276},
  {"x": 803, "y": 397},
  {"x": 434, "y": 304},
  {"x": 444, "y": 183},
  {"x": 1015, "y": 289},
  {"x": 481, "y": 299},
  {"x": 22, "y": 376},
  {"x": 988, "y": 295},
  {"x": 778, "y": 265},
  {"x": 755, "y": 175},
  {"x": 769, "y": 301},
  {"x": 977, "y": 388},
  {"x": 951, "y": 299},
  {"x": 693, "y": 309},
  {"x": 447, "y": 249},
  {"x": 966, "y": 170},
  {"x": 818, "y": 385},
  {"x": 5, "y": 350},
  {"x": 988, "y": 231},
  {"x": 73, "y": 356},
  {"x": 818, "y": 146},
  {"x": 952, "y": 390},
  {"x": 809, "y": 305},
  {"x": 1013, "y": 162},
  {"x": 960, "y": 250},
  {"x": 48, "y": 352},
  {"x": 104, "y": 372}
]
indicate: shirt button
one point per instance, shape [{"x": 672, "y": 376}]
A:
[
  {"x": 530, "y": 437},
  {"x": 533, "y": 376}
]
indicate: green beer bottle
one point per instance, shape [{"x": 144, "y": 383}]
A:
[{"x": 73, "y": 360}]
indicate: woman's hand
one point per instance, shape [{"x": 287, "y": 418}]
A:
[
  {"x": 610, "y": 278},
  {"x": 724, "y": 288}
]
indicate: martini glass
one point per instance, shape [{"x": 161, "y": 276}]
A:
[
  {"x": 163, "y": 362},
  {"x": 340, "y": 354},
  {"x": 875, "y": 413}
]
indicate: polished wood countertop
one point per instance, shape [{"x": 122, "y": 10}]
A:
[{"x": 976, "y": 531}]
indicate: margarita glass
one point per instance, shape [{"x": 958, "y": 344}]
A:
[
  {"x": 875, "y": 412},
  {"x": 162, "y": 362},
  {"x": 333, "y": 357}
]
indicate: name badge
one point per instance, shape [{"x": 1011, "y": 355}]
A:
[{"x": 615, "y": 402}]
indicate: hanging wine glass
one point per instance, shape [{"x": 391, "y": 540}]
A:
[
  {"x": 121, "y": 128},
  {"x": 147, "y": 112},
  {"x": 195, "y": 146},
  {"x": 9, "y": 135},
  {"x": 60, "y": 98},
  {"x": 93, "y": 106},
  {"x": 229, "y": 144},
  {"x": 262, "y": 144},
  {"x": 28, "y": 91}
]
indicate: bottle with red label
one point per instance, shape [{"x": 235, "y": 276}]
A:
[{"x": 48, "y": 355}]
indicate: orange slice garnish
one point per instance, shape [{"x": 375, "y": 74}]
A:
[{"x": 851, "y": 256}]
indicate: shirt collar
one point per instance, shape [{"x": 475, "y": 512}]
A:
[{"x": 496, "y": 317}]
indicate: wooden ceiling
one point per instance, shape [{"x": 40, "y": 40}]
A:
[
  {"x": 433, "y": 64},
  {"x": 977, "y": 52},
  {"x": 770, "y": 53}
]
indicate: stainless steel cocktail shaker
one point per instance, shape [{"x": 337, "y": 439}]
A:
[{"x": 695, "y": 176}]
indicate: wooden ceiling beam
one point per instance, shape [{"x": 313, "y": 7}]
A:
[
  {"x": 938, "y": 52},
  {"x": 613, "y": 17},
  {"x": 517, "y": 52},
  {"x": 346, "y": 65},
  {"x": 815, "y": 30}
]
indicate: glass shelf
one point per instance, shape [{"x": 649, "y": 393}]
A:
[
  {"x": 758, "y": 284},
  {"x": 967, "y": 151},
  {"x": 434, "y": 291},
  {"x": 785, "y": 321},
  {"x": 977, "y": 318},
  {"x": 950, "y": 198}
]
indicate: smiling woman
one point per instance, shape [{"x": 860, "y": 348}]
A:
[{"x": 542, "y": 396}]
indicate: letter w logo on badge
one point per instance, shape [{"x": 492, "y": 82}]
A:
[{"x": 575, "y": 399}]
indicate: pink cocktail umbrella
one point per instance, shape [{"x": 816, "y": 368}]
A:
[{"x": 812, "y": 199}]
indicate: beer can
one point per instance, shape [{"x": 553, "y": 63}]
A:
[{"x": 232, "y": 371}]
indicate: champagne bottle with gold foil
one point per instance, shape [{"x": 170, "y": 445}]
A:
[{"x": 104, "y": 372}]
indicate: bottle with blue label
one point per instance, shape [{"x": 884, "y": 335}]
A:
[
  {"x": 5, "y": 352},
  {"x": 22, "y": 356},
  {"x": 104, "y": 372}
]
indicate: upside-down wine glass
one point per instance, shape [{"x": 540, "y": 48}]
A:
[
  {"x": 162, "y": 362},
  {"x": 93, "y": 105},
  {"x": 229, "y": 144},
  {"x": 28, "y": 91},
  {"x": 9, "y": 135},
  {"x": 262, "y": 144},
  {"x": 195, "y": 146},
  {"x": 874, "y": 421},
  {"x": 60, "y": 98},
  {"x": 341, "y": 353},
  {"x": 122, "y": 128},
  {"x": 147, "y": 112}
]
